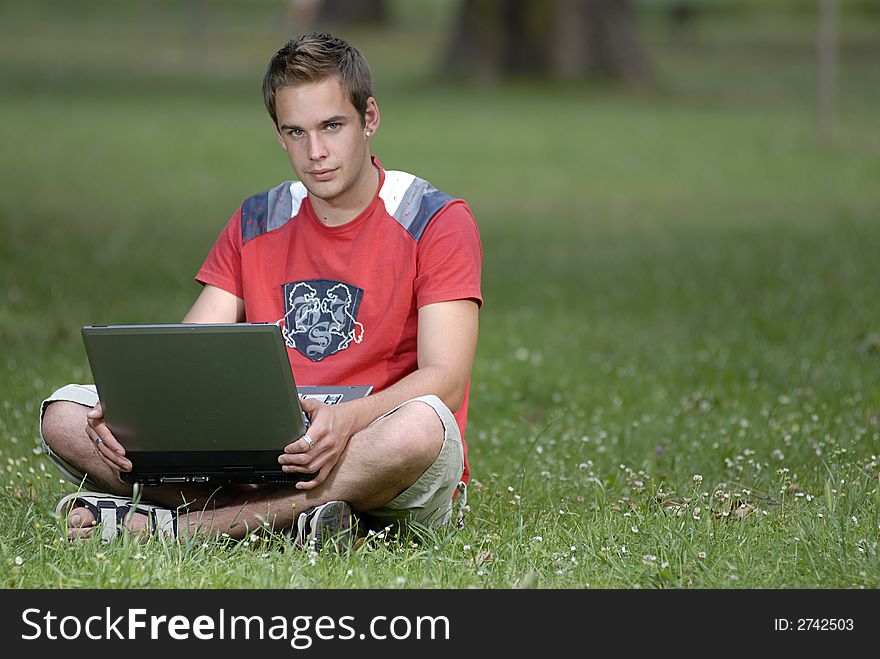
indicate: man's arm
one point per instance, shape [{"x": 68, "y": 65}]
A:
[
  {"x": 214, "y": 305},
  {"x": 447, "y": 342}
]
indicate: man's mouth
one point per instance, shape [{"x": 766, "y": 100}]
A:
[{"x": 322, "y": 174}]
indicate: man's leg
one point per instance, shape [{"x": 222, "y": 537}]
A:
[
  {"x": 378, "y": 463},
  {"x": 64, "y": 430}
]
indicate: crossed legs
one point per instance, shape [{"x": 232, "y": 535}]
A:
[{"x": 378, "y": 463}]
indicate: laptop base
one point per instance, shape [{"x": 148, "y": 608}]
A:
[{"x": 215, "y": 468}]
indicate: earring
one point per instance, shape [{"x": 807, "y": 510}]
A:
[{"x": 367, "y": 133}]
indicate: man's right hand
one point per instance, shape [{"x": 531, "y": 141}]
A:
[{"x": 108, "y": 448}]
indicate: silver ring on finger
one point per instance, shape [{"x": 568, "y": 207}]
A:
[
  {"x": 98, "y": 442},
  {"x": 308, "y": 440}
]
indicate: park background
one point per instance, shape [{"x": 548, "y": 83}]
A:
[{"x": 676, "y": 383}]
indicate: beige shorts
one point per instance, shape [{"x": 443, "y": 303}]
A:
[{"x": 428, "y": 501}]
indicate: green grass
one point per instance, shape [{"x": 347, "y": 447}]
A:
[{"x": 678, "y": 282}]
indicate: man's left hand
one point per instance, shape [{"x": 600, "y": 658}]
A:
[{"x": 331, "y": 428}]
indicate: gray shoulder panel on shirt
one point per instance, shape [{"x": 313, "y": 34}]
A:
[
  {"x": 266, "y": 211},
  {"x": 419, "y": 204}
]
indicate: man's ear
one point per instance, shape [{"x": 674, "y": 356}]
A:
[
  {"x": 372, "y": 118},
  {"x": 279, "y": 137}
]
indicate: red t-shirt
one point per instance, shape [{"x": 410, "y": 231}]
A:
[{"x": 347, "y": 297}]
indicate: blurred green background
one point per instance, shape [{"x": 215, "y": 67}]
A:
[{"x": 680, "y": 265}]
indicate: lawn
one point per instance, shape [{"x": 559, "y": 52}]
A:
[{"x": 677, "y": 378}]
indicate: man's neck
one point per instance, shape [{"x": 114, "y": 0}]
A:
[{"x": 336, "y": 212}]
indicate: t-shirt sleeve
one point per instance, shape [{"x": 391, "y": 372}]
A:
[
  {"x": 222, "y": 267},
  {"x": 450, "y": 258}
]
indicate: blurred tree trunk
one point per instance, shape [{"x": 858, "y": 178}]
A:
[
  {"x": 557, "y": 38},
  {"x": 195, "y": 27},
  {"x": 827, "y": 67},
  {"x": 353, "y": 12},
  {"x": 682, "y": 16}
]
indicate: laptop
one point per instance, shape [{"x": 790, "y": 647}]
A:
[{"x": 202, "y": 403}]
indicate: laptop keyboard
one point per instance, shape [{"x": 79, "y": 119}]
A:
[{"x": 327, "y": 399}]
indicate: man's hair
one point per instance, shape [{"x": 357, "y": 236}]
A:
[{"x": 314, "y": 57}]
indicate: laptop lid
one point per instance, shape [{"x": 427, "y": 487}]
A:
[{"x": 200, "y": 403}]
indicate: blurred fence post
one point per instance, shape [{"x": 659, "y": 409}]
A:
[{"x": 827, "y": 67}]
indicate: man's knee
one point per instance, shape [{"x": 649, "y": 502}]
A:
[
  {"x": 61, "y": 420},
  {"x": 418, "y": 432}
]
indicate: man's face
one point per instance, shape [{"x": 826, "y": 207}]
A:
[{"x": 326, "y": 142}]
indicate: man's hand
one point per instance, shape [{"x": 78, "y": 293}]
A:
[
  {"x": 108, "y": 448},
  {"x": 331, "y": 428}
]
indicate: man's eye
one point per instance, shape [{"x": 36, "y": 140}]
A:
[
  {"x": 332, "y": 126},
  {"x": 295, "y": 132}
]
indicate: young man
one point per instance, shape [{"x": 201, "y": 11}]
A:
[{"x": 374, "y": 277}]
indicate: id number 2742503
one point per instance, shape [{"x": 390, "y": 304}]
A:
[{"x": 813, "y": 624}]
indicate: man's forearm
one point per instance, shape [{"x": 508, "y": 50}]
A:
[{"x": 426, "y": 380}]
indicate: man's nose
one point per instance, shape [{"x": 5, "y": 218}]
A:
[{"x": 317, "y": 148}]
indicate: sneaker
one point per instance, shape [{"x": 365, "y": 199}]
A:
[{"x": 332, "y": 523}]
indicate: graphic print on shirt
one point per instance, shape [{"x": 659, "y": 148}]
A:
[{"x": 320, "y": 317}]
